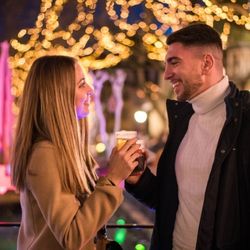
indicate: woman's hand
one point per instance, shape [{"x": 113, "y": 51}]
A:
[{"x": 123, "y": 161}]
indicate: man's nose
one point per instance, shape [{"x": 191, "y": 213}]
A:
[{"x": 167, "y": 72}]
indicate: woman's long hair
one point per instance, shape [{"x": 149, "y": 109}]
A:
[{"x": 47, "y": 112}]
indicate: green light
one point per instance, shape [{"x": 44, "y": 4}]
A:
[
  {"x": 121, "y": 233},
  {"x": 140, "y": 247},
  {"x": 120, "y": 221}
]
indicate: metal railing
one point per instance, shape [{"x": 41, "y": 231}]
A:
[{"x": 128, "y": 226}]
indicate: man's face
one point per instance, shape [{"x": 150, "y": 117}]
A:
[{"x": 184, "y": 70}]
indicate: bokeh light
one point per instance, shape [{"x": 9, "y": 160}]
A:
[{"x": 140, "y": 116}]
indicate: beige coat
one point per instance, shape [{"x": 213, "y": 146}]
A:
[{"x": 53, "y": 219}]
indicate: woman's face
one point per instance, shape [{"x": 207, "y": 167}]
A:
[{"x": 84, "y": 93}]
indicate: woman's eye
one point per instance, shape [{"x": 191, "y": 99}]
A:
[{"x": 82, "y": 83}]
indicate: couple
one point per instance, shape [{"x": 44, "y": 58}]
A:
[{"x": 201, "y": 190}]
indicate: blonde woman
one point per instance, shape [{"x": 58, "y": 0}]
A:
[{"x": 64, "y": 203}]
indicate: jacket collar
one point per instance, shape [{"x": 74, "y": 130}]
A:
[{"x": 179, "y": 108}]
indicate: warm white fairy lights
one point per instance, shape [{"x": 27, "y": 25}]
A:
[
  {"x": 99, "y": 48},
  {"x": 175, "y": 14}
]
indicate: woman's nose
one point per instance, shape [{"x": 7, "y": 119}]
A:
[
  {"x": 90, "y": 93},
  {"x": 90, "y": 90}
]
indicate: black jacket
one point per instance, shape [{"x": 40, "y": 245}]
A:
[{"x": 225, "y": 217}]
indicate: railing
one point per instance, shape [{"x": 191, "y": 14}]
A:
[
  {"x": 129, "y": 236},
  {"x": 128, "y": 226},
  {"x": 9, "y": 224}
]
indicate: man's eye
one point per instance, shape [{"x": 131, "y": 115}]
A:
[{"x": 174, "y": 62}]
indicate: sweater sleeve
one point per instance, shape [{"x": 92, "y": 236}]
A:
[
  {"x": 145, "y": 190},
  {"x": 73, "y": 225}
]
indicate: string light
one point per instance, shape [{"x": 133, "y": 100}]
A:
[{"x": 100, "y": 48}]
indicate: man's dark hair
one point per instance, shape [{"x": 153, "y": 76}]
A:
[{"x": 196, "y": 34}]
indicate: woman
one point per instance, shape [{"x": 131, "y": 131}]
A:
[{"x": 64, "y": 203}]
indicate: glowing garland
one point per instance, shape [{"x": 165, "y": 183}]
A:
[{"x": 102, "y": 48}]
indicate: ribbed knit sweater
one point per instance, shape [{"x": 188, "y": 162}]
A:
[{"x": 194, "y": 161}]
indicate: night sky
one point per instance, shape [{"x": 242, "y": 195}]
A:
[{"x": 16, "y": 15}]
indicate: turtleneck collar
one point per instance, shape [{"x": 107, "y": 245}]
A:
[{"x": 211, "y": 98}]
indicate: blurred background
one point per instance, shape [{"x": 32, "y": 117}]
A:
[{"x": 123, "y": 45}]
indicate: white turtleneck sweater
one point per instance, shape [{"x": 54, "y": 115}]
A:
[{"x": 194, "y": 161}]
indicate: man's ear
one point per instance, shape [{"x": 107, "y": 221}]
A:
[{"x": 208, "y": 62}]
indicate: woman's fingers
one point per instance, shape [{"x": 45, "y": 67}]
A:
[
  {"x": 134, "y": 148},
  {"x": 124, "y": 160},
  {"x": 128, "y": 144},
  {"x": 133, "y": 157}
]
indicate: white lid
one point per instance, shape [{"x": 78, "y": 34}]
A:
[{"x": 126, "y": 134}]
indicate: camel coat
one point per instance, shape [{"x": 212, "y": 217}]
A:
[{"x": 53, "y": 219}]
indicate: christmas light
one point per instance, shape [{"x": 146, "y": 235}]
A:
[{"x": 100, "y": 47}]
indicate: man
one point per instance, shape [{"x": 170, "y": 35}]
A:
[{"x": 201, "y": 192}]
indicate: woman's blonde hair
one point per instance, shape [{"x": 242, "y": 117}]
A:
[{"x": 47, "y": 112}]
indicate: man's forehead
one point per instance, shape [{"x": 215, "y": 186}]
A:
[
  {"x": 179, "y": 50},
  {"x": 174, "y": 50}
]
